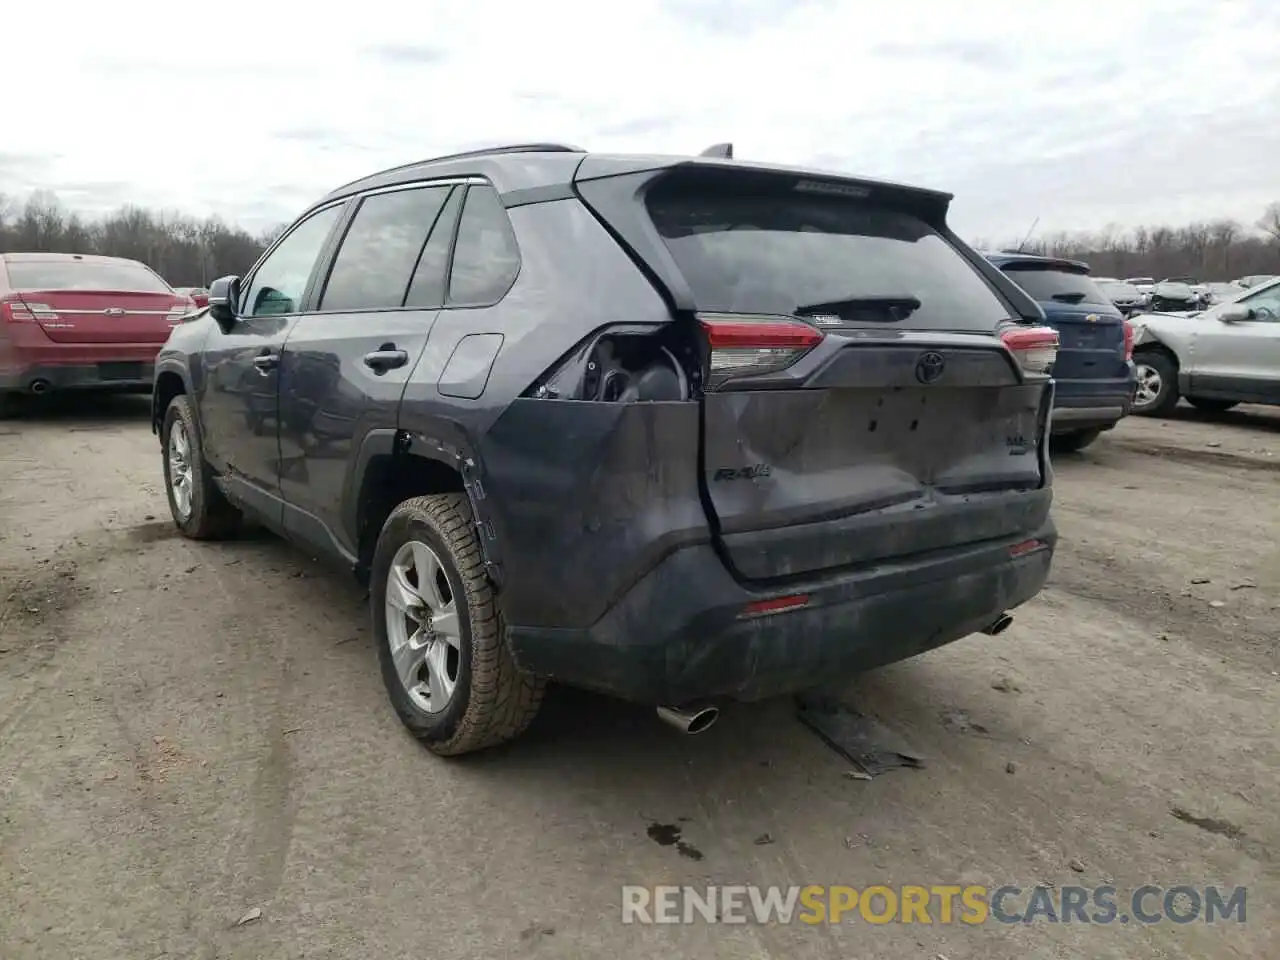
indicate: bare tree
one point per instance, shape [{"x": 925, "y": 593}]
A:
[
  {"x": 1269, "y": 223},
  {"x": 185, "y": 251},
  {"x": 1216, "y": 250}
]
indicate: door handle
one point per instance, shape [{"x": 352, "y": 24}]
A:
[
  {"x": 266, "y": 362},
  {"x": 385, "y": 358}
]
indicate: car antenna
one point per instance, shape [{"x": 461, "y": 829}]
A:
[
  {"x": 1027, "y": 238},
  {"x": 722, "y": 150}
]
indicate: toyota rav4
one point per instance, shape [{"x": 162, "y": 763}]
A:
[{"x": 677, "y": 429}]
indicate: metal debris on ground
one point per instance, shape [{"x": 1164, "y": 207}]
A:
[
  {"x": 865, "y": 742},
  {"x": 250, "y": 917}
]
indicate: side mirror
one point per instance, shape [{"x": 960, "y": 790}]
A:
[
  {"x": 1235, "y": 313},
  {"x": 224, "y": 293}
]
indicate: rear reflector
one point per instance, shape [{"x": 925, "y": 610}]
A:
[
  {"x": 1025, "y": 547},
  {"x": 762, "y": 608},
  {"x": 1035, "y": 348},
  {"x": 744, "y": 345},
  {"x": 1128, "y": 340}
]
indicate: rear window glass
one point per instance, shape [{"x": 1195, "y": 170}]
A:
[
  {"x": 781, "y": 254},
  {"x": 83, "y": 275},
  {"x": 1055, "y": 285}
]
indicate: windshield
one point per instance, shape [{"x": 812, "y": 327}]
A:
[
  {"x": 778, "y": 254},
  {"x": 1120, "y": 291},
  {"x": 1045, "y": 282},
  {"x": 83, "y": 275},
  {"x": 1174, "y": 291}
]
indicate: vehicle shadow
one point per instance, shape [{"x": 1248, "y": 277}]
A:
[
  {"x": 1256, "y": 417},
  {"x": 76, "y": 407}
]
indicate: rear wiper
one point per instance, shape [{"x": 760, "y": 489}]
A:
[
  {"x": 890, "y": 307},
  {"x": 1068, "y": 297}
]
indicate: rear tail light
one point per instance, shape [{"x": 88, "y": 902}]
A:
[
  {"x": 1128, "y": 340},
  {"x": 743, "y": 345},
  {"x": 1035, "y": 348},
  {"x": 17, "y": 310}
]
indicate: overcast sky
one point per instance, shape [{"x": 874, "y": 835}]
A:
[{"x": 1082, "y": 113}]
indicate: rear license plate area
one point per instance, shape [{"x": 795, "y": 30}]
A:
[{"x": 120, "y": 371}]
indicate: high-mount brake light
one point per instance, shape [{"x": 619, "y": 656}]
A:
[
  {"x": 1035, "y": 348},
  {"x": 748, "y": 345}
]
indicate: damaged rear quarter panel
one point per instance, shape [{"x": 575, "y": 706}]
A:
[{"x": 585, "y": 498}]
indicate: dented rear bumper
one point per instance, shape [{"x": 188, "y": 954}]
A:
[{"x": 678, "y": 634}]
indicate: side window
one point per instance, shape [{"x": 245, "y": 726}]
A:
[
  {"x": 485, "y": 258},
  {"x": 376, "y": 260},
  {"x": 1265, "y": 304},
  {"x": 427, "y": 288},
  {"x": 280, "y": 281}
]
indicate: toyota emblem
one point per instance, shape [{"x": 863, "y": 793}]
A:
[{"x": 929, "y": 367}]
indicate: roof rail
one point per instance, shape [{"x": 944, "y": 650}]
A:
[
  {"x": 484, "y": 152},
  {"x": 722, "y": 150},
  {"x": 508, "y": 148}
]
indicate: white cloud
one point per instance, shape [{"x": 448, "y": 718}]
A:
[{"x": 1081, "y": 113}]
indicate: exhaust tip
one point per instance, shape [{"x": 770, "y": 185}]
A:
[
  {"x": 999, "y": 625},
  {"x": 690, "y": 720},
  {"x": 39, "y": 386}
]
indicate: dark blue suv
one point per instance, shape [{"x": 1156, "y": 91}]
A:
[{"x": 1094, "y": 370}]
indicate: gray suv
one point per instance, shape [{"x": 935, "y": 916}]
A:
[{"x": 676, "y": 429}]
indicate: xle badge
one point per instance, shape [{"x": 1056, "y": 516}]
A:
[{"x": 742, "y": 473}]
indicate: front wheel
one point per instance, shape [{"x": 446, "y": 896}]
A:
[
  {"x": 440, "y": 632},
  {"x": 1211, "y": 406},
  {"x": 1157, "y": 392},
  {"x": 199, "y": 510}
]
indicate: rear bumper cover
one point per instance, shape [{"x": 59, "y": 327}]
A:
[
  {"x": 80, "y": 376},
  {"x": 678, "y": 635},
  {"x": 1092, "y": 404}
]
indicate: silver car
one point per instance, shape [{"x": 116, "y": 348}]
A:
[{"x": 1215, "y": 358}]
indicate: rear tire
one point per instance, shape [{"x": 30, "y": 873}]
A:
[
  {"x": 1073, "y": 442},
  {"x": 1212, "y": 406},
  {"x": 1157, "y": 393},
  {"x": 473, "y": 696},
  {"x": 9, "y": 404},
  {"x": 201, "y": 513}
]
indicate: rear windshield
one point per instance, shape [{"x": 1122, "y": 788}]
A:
[
  {"x": 787, "y": 254},
  {"x": 1055, "y": 285},
  {"x": 83, "y": 275}
]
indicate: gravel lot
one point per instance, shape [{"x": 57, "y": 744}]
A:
[{"x": 189, "y": 732}]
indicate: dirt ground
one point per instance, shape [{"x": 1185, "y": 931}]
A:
[{"x": 190, "y": 733}]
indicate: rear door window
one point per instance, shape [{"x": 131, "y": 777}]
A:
[
  {"x": 380, "y": 251},
  {"x": 110, "y": 275},
  {"x": 426, "y": 290},
  {"x": 790, "y": 253},
  {"x": 1052, "y": 284},
  {"x": 485, "y": 257}
]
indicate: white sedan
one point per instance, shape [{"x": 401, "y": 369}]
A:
[{"x": 1215, "y": 358}]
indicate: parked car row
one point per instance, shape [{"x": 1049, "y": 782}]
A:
[
  {"x": 1173, "y": 294},
  {"x": 1216, "y": 358}
]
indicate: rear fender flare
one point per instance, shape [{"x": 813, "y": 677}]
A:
[
  {"x": 157, "y": 411},
  {"x": 459, "y": 457}
]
